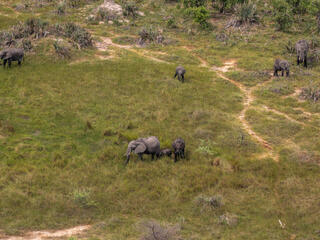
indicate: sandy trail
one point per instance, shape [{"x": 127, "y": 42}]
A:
[
  {"x": 249, "y": 98},
  {"x": 39, "y": 235},
  {"x": 107, "y": 42}
]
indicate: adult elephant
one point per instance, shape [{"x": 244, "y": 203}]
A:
[
  {"x": 140, "y": 146},
  {"x": 11, "y": 54}
]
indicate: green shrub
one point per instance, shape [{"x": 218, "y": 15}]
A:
[
  {"x": 82, "y": 197},
  {"x": 247, "y": 12},
  {"x": 61, "y": 50},
  {"x": 283, "y": 14},
  {"x": 130, "y": 9},
  {"x": 150, "y": 34},
  {"x": 199, "y": 15},
  {"x": 61, "y": 8},
  {"x": 314, "y": 9},
  {"x": 223, "y": 5},
  {"x": 75, "y": 3},
  {"x": 299, "y": 6},
  {"x": 78, "y": 35},
  {"x": 194, "y": 3}
]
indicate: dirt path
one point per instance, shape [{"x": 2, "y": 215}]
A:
[
  {"x": 230, "y": 64},
  {"x": 107, "y": 42},
  {"x": 39, "y": 235},
  {"x": 249, "y": 98}
]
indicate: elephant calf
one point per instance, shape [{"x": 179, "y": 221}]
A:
[
  {"x": 281, "y": 65},
  {"x": 149, "y": 145},
  {"x": 180, "y": 71},
  {"x": 302, "y": 48},
  {"x": 165, "y": 152},
  {"x": 178, "y": 147},
  {"x": 12, "y": 54}
]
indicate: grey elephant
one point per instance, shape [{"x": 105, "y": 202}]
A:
[
  {"x": 302, "y": 48},
  {"x": 140, "y": 146},
  {"x": 165, "y": 152},
  {"x": 178, "y": 147},
  {"x": 281, "y": 65},
  {"x": 12, "y": 54},
  {"x": 180, "y": 71}
]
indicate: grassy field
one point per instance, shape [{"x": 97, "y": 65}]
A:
[{"x": 65, "y": 125}]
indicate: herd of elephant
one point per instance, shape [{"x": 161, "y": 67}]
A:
[
  {"x": 302, "y": 49},
  {"x": 151, "y": 146}
]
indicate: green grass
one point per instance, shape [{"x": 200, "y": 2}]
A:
[{"x": 55, "y": 172}]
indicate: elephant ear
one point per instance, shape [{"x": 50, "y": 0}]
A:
[{"x": 141, "y": 148}]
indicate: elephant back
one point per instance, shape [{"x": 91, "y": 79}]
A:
[{"x": 152, "y": 143}]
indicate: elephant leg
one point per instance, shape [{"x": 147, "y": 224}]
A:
[
  {"x": 4, "y": 63},
  {"x": 298, "y": 60},
  {"x": 182, "y": 78},
  {"x": 288, "y": 73},
  {"x": 152, "y": 156},
  {"x": 175, "y": 157},
  {"x": 140, "y": 156},
  {"x": 305, "y": 61},
  {"x": 9, "y": 63},
  {"x": 182, "y": 154},
  {"x": 19, "y": 62},
  {"x": 282, "y": 71},
  {"x": 175, "y": 75}
]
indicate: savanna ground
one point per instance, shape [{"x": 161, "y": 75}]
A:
[{"x": 65, "y": 126}]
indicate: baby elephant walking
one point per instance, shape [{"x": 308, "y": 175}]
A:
[
  {"x": 178, "y": 147},
  {"x": 180, "y": 71},
  {"x": 12, "y": 54},
  {"x": 165, "y": 152},
  {"x": 281, "y": 65}
]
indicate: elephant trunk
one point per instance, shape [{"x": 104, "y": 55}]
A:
[{"x": 128, "y": 155}]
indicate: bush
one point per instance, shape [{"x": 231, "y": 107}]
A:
[
  {"x": 283, "y": 14},
  {"x": 211, "y": 202},
  {"x": 312, "y": 92},
  {"x": 194, "y": 3},
  {"x": 152, "y": 230},
  {"x": 290, "y": 48},
  {"x": 82, "y": 197},
  {"x": 36, "y": 27},
  {"x": 247, "y": 12},
  {"x": 104, "y": 15},
  {"x": 199, "y": 15},
  {"x": 130, "y": 9},
  {"x": 75, "y": 3},
  {"x": 78, "y": 35},
  {"x": 26, "y": 44},
  {"x": 61, "y": 8},
  {"x": 61, "y": 50},
  {"x": 299, "y": 6},
  {"x": 315, "y": 10},
  {"x": 150, "y": 34},
  {"x": 223, "y": 5}
]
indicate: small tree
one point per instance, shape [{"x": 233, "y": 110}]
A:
[
  {"x": 314, "y": 9},
  {"x": 199, "y": 15},
  {"x": 283, "y": 14}
]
